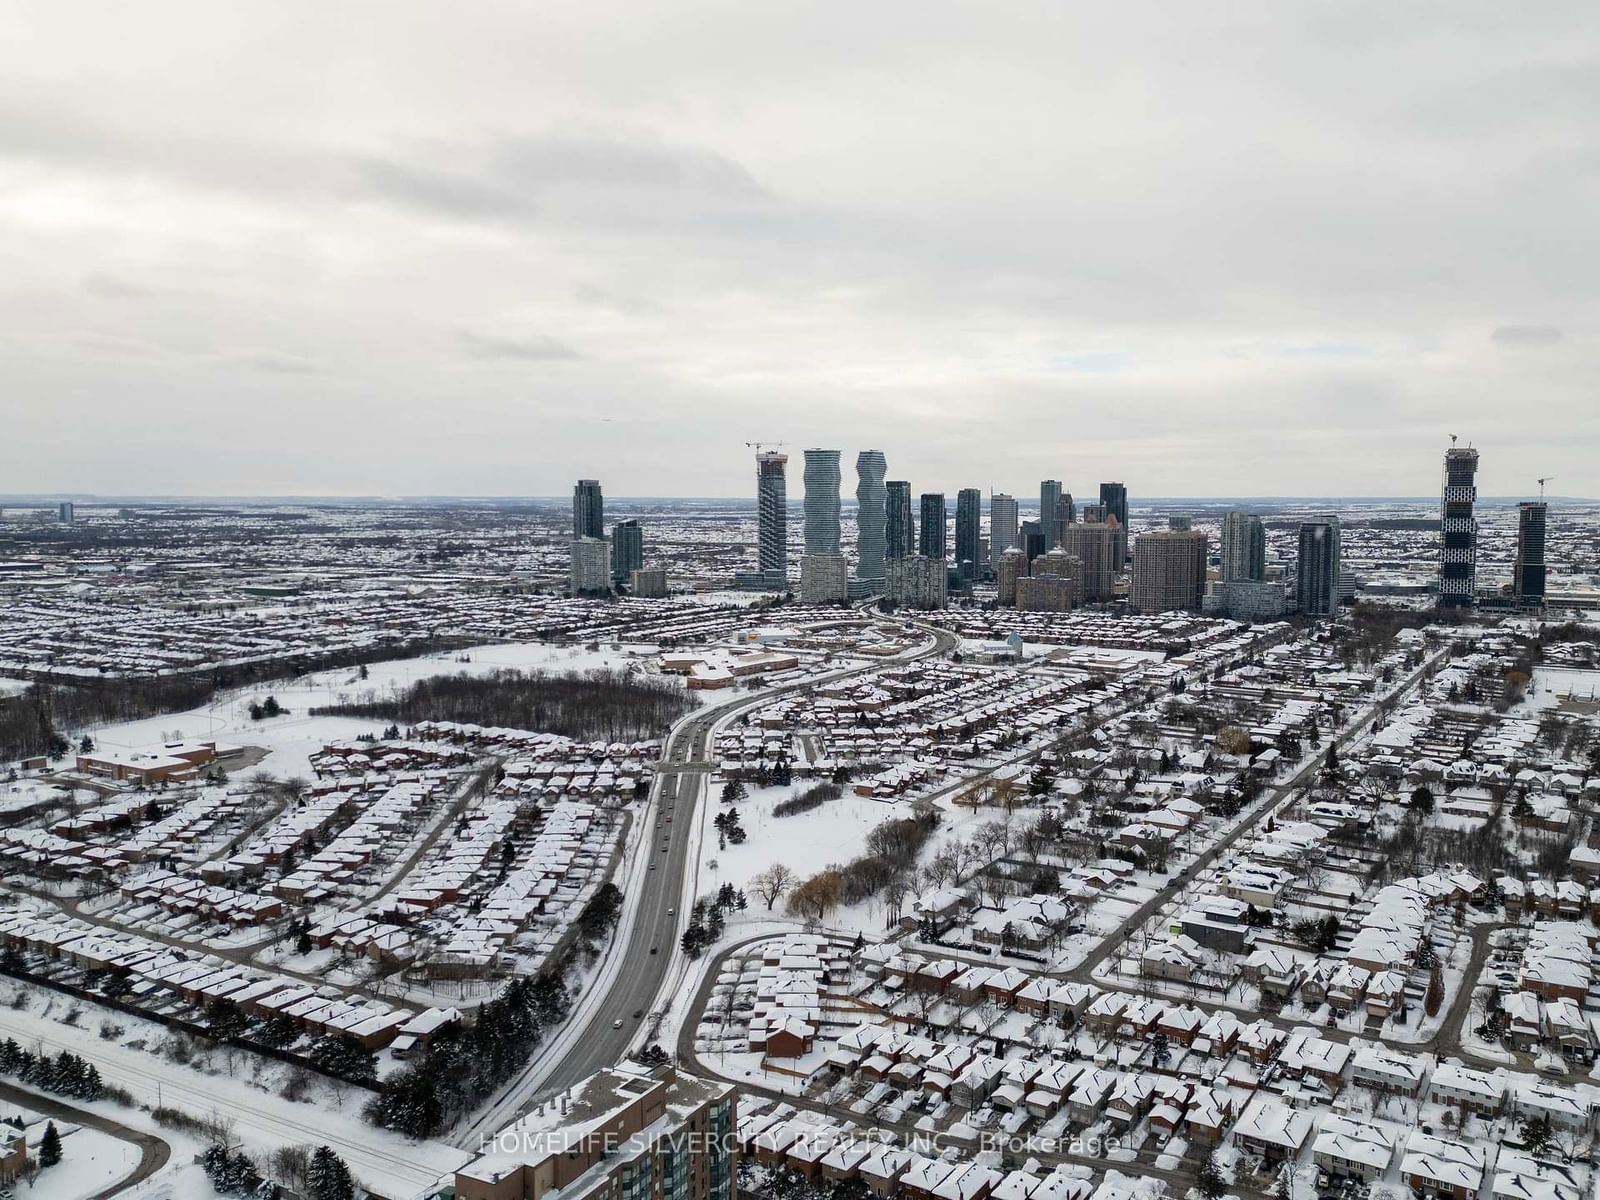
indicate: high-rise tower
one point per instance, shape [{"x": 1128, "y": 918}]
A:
[
  {"x": 1066, "y": 514},
  {"x": 1049, "y": 497},
  {"x": 1317, "y": 568},
  {"x": 1528, "y": 575},
  {"x": 969, "y": 510},
  {"x": 932, "y": 543},
  {"x": 1114, "y": 503},
  {"x": 1458, "y": 530},
  {"x": 871, "y": 513},
  {"x": 588, "y": 510},
  {"x": 1169, "y": 570},
  {"x": 627, "y": 549},
  {"x": 822, "y": 502},
  {"x": 899, "y": 525},
  {"x": 772, "y": 516},
  {"x": 1244, "y": 547},
  {"x": 1002, "y": 524}
]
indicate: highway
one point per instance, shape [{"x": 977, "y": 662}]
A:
[{"x": 645, "y": 948}]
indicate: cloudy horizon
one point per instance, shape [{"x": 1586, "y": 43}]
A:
[{"x": 402, "y": 249}]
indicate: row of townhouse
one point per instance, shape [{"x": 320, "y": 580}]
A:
[
  {"x": 155, "y": 973},
  {"x": 797, "y": 986},
  {"x": 554, "y": 873},
  {"x": 1040, "y": 1086},
  {"x": 381, "y": 827},
  {"x": 186, "y": 895},
  {"x": 1558, "y": 961},
  {"x": 1434, "y": 1167}
]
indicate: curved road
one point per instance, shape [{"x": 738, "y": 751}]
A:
[
  {"x": 153, "y": 1151},
  {"x": 610, "y": 1030}
]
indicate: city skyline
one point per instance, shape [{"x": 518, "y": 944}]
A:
[{"x": 791, "y": 602}]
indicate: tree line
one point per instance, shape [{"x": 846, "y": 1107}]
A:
[
  {"x": 64, "y": 1074},
  {"x": 597, "y": 705},
  {"x": 464, "y": 1064},
  {"x": 33, "y": 722}
]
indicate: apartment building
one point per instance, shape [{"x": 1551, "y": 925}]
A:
[{"x": 624, "y": 1133}]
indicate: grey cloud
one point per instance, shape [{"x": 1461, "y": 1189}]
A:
[
  {"x": 274, "y": 362},
  {"x": 1151, "y": 223},
  {"x": 507, "y": 178},
  {"x": 1526, "y": 335},
  {"x": 627, "y": 305},
  {"x": 99, "y": 283},
  {"x": 528, "y": 348}
]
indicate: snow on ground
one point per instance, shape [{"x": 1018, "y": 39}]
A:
[
  {"x": 808, "y": 842},
  {"x": 733, "y": 599},
  {"x": 91, "y": 1161},
  {"x": 1559, "y": 687},
  {"x": 25, "y": 793},
  {"x": 393, "y": 1165},
  {"x": 292, "y": 739}
]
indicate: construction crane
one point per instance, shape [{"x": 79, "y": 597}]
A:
[
  {"x": 1542, "y": 482},
  {"x": 757, "y": 446}
]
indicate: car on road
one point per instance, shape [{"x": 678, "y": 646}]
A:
[
  {"x": 672, "y": 912},
  {"x": 637, "y": 1013},
  {"x": 616, "y": 1024}
]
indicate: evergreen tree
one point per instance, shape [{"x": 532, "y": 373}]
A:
[
  {"x": 1210, "y": 1182},
  {"x": 50, "y": 1146},
  {"x": 328, "y": 1178}
]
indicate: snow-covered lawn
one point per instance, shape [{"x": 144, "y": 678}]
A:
[
  {"x": 292, "y": 739},
  {"x": 91, "y": 1161},
  {"x": 263, "y": 1119}
]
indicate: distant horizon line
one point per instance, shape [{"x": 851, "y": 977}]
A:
[{"x": 24, "y": 499}]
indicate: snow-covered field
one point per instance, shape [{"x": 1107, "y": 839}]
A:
[
  {"x": 292, "y": 739},
  {"x": 1553, "y": 687},
  {"x": 393, "y": 1165},
  {"x": 808, "y": 842}
]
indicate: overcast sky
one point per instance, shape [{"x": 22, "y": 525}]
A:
[{"x": 485, "y": 248}]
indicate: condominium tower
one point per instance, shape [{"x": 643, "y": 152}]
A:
[
  {"x": 1114, "y": 503},
  {"x": 588, "y": 509},
  {"x": 1049, "y": 497},
  {"x": 1065, "y": 515},
  {"x": 1244, "y": 547},
  {"x": 1458, "y": 530},
  {"x": 1317, "y": 568},
  {"x": 1002, "y": 524},
  {"x": 899, "y": 526},
  {"x": 969, "y": 509},
  {"x": 1528, "y": 574},
  {"x": 1095, "y": 544},
  {"x": 772, "y": 516},
  {"x": 822, "y": 502},
  {"x": 871, "y": 514},
  {"x": 627, "y": 549},
  {"x": 932, "y": 543},
  {"x": 1169, "y": 570}
]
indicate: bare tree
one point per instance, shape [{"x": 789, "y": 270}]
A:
[{"x": 772, "y": 883}]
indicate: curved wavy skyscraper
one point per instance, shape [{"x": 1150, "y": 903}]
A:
[
  {"x": 871, "y": 513},
  {"x": 822, "y": 502}
]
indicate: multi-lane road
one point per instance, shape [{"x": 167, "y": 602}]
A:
[{"x": 608, "y": 1030}]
